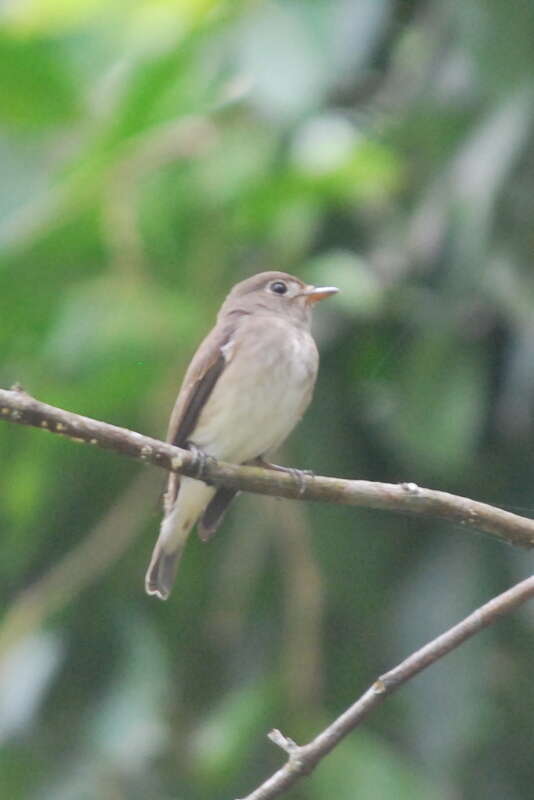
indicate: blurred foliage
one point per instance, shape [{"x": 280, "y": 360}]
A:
[{"x": 152, "y": 154}]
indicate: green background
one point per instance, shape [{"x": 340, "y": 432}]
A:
[{"x": 151, "y": 155}]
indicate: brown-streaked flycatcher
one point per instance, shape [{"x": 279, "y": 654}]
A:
[{"x": 246, "y": 388}]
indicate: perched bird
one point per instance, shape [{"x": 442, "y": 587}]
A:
[{"x": 246, "y": 388}]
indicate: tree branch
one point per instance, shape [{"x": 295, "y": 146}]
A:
[
  {"x": 301, "y": 760},
  {"x": 18, "y": 407}
]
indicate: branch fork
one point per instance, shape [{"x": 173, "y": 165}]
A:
[{"x": 18, "y": 407}]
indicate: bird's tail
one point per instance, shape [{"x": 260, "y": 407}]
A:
[
  {"x": 175, "y": 529},
  {"x": 162, "y": 569}
]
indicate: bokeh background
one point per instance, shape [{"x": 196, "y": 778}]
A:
[{"x": 151, "y": 155}]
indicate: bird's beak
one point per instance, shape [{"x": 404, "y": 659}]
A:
[{"x": 315, "y": 293}]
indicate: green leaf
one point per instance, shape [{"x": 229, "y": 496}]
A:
[{"x": 36, "y": 85}]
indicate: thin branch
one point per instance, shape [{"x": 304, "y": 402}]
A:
[
  {"x": 302, "y": 759},
  {"x": 18, "y": 407}
]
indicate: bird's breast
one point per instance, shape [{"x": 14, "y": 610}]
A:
[{"x": 261, "y": 394}]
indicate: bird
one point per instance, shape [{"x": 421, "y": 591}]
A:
[{"x": 246, "y": 388}]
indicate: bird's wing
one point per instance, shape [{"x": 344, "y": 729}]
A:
[
  {"x": 214, "y": 513},
  {"x": 203, "y": 373}
]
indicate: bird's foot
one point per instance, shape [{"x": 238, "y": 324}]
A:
[
  {"x": 299, "y": 475},
  {"x": 200, "y": 462}
]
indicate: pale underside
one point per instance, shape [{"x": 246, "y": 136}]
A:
[
  {"x": 262, "y": 391},
  {"x": 260, "y": 396}
]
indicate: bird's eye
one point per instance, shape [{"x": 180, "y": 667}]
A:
[{"x": 278, "y": 287}]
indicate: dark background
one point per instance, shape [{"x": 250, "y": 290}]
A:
[{"x": 151, "y": 155}]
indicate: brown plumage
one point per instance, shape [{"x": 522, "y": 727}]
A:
[{"x": 247, "y": 386}]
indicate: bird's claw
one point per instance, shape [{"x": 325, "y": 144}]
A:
[
  {"x": 200, "y": 460},
  {"x": 299, "y": 475}
]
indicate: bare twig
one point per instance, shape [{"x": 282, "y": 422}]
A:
[
  {"x": 302, "y": 759},
  {"x": 17, "y": 406}
]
